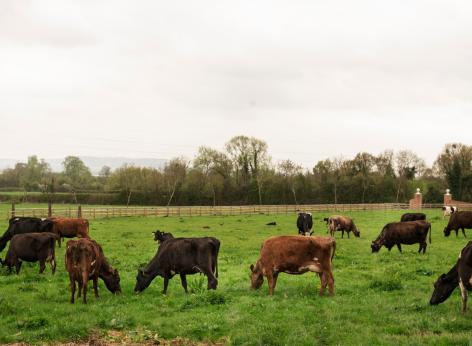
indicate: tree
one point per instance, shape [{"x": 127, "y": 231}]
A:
[
  {"x": 289, "y": 171},
  {"x": 362, "y": 165},
  {"x": 454, "y": 164},
  {"x": 174, "y": 175},
  {"x": 77, "y": 174},
  {"x": 34, "y": 174},
  {"x": 408, "y": 166}
]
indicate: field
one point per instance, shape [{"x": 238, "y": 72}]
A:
[{"x": 380, "y": 298}]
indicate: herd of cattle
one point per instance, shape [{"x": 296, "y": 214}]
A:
[{"x": 33, "y": 240}]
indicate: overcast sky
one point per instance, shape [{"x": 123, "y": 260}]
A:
[{"x": 315, "y": 79}]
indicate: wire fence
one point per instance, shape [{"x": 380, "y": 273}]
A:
[{"x": 107, "y": 212}]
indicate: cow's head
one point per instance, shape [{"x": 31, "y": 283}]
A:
[
  {"x": 162, "y": 236},
  {"x": 447, "y": 232},
  {"x": 112, "y": 280},
  {"x": 356, "y": 232},
  {"x": 443, "y": 288},
  {"x": 143, "y": 280},
  {"x": 257, "y": 279},
  {"x": 375, "y": 246}
]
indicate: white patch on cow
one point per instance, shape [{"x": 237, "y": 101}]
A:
[
  {"x": 460, "y": 253},
  {"x": 43, "y": 218},
  {"x": 315, "y": 259},
  {"x": 470, "y": 280},
  {"x": 309, "y": 214},
  {"x": 172, "y": 272},
  {"x": 311, "y": 267},
  {"x": 307, "y": 234},
  {"x": 93, "y": 262}
]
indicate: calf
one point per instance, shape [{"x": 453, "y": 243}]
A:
[
  {"x": 294, "y": 255},
  {"x": 182, "y": 256},
  {"x": 459, "y": 275},
  {"x": 22, "y": 225},
  {"x": 397, "y": 233},
  {"x": 86, "y": 261},
  {"x": 412, "y": 217},
  {"x": 305, "y": 224},
  {"x": 459, "y": 220},
  {"x": 343, "y": 224},
  {"x": 70, "y": 228},
  {"x": 31, "y": 247},
  {"x": 448, "y": 210}
]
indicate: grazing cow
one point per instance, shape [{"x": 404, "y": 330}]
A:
[
  {"x": 182, "y": 256},
  {"x": 70, "y": 228},
  {"x": 459, "y": 220},
  {"x": 22, "y": 225},
  {"x": 86, "y": 261},
  {"x": 448, "y": 210},
  {"x": 343, "y": 224},
  {"x": 31, "y": 247},
  {"x": 162, "y": 236},
  {"x": 305, "y": 224},
  {"x": 459, "y": 275},
  {"x": 412, "y": 217},
  {"x": 294, "y": 255},
  {"x": 397, "y": 233}
]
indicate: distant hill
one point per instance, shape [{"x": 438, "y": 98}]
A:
[{"x": 95, "y": 163}]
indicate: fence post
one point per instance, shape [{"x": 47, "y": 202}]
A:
[
  {"x": 13, "y": 210},
  {"x": 79, "y": 211}
]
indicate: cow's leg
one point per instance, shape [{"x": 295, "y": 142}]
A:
[
  {"x": 399, "y": 247},
  {"x": 42, "y": 266},
  {"x": 95, "y": 286},
  {"x": 166, "y": 283},
  {"x": 457, "y": 232},
  {"x": 84, "y": 286},
  {"x": 72, "y": 288},
  {"x": 463, "y": 296},
  {"x": 212, "y": 281},
  {"x": 342, "y": 234},
  {"x": 331, "y": 282},
  {"x": 348, "y": 232},
  {"x": 53, "y": 265},
  {"x": 183, "y": 280},
  {"x": 463, "y": 232},
  {"x": 272, "y": 281},
  {"x": 324, "y": 282},
  {"x": 18, "y": 264},
  {"x": 389, "y": 248}
]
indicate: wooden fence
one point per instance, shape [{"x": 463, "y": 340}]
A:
[{"x": 103, "y": 212}]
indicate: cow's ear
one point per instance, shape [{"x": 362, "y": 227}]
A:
[{"x": 252, "y": 267}]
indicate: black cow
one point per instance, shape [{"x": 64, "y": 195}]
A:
[
  {"x": 459, "y": 220},
  {"x": 182, "y": 256},
  {"x": 22, "y": 225},
  {"x": 412, "y": 217},
  {"x": 459, "y": 275},
  {"x": 305, "y": 224},
  {"x": 31, "y": 247},
  {"x": 397, "y": 233}
]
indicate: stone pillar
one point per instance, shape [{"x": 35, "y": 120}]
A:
[
  {"x": 417, "y": 201},
  {"x": 448, "y": 197}
]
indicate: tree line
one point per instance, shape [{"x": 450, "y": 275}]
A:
[{"x": 244, "y": 173}]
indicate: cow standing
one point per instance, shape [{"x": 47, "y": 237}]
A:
[
  {"x": 86, "y": 261},
  {"x": 31, "y": 247},
  {"x": 294, "y": 255},
  {"x": 343, "y": 224},
  {"x": 397, "y": 233},
  {"x": 22, "y": 225},
  {"x": 70, "y": 228},
  {"x": 184, "y": 256},
  {"x": 459, "y": 275},
  {"x": 305, "y": 224},
  {"x": 413, "y": 217},
  {"x": 460, "y": 220}
]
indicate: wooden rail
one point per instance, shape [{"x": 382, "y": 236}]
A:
[{"x": 104, "y": 212}]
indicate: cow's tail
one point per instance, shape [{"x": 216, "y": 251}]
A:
[
  {"x": 217, "y": 250},
  {"x": 3, "y": 243},
  {"x": 334, "y": 250},
  {"x": 430, "y": 231}
]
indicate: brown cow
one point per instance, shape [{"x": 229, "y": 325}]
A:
[
  {"x": 70, "y": 228},
  {"x": 294, "y": 255},
  {"x": 343, "y": 224},
  {"x": 85, "y": 261}
]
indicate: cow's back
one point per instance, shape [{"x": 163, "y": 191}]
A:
[{"x": 461, "y": 219}]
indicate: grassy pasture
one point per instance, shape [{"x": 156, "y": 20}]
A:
[{"x": 380, "y": 298}]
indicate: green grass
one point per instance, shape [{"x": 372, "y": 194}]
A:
[{"x": 380, "y": 298}]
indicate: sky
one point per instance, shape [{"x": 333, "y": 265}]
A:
[{"x": 314, "y": 79}]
